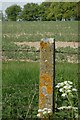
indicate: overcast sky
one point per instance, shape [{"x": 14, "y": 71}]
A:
[{"x": 6, "y": 3}]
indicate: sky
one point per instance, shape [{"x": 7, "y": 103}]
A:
[{"x": 6, "y": 3}]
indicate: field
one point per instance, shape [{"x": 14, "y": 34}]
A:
[
  {"x": 22, "y": 32},
  {"x": 35, "y": 31},
  {"x": 21, "y": 68}
]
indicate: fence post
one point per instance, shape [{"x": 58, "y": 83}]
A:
[{"x": 47, "y": 75}]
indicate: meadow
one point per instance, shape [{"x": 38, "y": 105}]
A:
[
  {"x": 35, "y": 31},
  {"x": 21, "y": 87},
  {"x": 20, "y": 80}
]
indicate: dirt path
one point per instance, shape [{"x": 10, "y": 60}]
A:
[{"x": 57, "y": 44}]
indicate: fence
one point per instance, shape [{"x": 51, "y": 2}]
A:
[{"x": 20, "y": 98}]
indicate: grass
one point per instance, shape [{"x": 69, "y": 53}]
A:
[
  {"x": 21, "y": 79},
  {"x": 21, "y": 82},
  {"x": 35, "y": 31},
  {"x": 19, "y": 86}
]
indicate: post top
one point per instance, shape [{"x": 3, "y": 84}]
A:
[{"x": 50, "y": 40}]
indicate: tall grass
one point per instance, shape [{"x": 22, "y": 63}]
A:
[
  {"x": 35, "y": 31},
  {"x": 21, "y": 84}
]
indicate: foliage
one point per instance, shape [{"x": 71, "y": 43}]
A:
[
  {"x": 30, "y": 12},
  {"x": 21, "y": 81},
  {"x": 13, "y": 12},
  {"x": 67, "y": 92},
  {"x": 46, "y": 11}
]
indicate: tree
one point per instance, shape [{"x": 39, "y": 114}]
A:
[
  {"x": 61, "y": 10},
  {"x": 13, "y": 12},
  {"x": 30, "y": 12},
  {"x": 69, "y": 10},
  {"x": 78, "y": 11},
  {"x": 43, "y": 10}
]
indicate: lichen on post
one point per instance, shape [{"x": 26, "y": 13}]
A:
[{"x": 47, "y": 74}]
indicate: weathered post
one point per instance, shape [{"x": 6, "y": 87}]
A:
[{"x": 47, "y": 75}]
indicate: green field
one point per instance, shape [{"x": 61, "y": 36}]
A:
[
  {"x": 35, "y": 31},
  {"x": 21, "y": 79},
  {"x": 21, "y": 87}
]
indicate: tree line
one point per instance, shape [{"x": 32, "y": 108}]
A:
[{"x": 46, "y": 11}]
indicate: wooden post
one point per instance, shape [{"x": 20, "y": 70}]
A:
[{"x": 47, "y": 75}]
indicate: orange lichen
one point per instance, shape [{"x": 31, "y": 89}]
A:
[
  {"x": 45, "y": 80},
  {"x": 49, "y": 89},
  {"x": 43, "y": 44},
  {"x": 41, "y": 100}
]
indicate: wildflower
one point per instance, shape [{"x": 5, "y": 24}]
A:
[
  {"x": 65, "y": 87},
  {"x": 45, "y": 109},
  {"x": 57, "y": 86},
  {"x": 64, "y": 94},
  {"x": 62, "y": 84},
  {"x": 49, "y": 111},
  {"x": 75, "y": 108},
  {"x": 65, "y": 82},
  {"x": 40, "y": 110},
  {"x": 69, "y": 86},
  {"x": 74, "y": 89},
  {"x": 45, "y": 112},
  {"x": 69, "y": 107},
  {"x": 68, "y": 91},
  {"x": 70, "y": 82},
  {"x": 61, "y": 90},
  {"x": 39, "y": 115},
  {"x": 61, "y": 108}
]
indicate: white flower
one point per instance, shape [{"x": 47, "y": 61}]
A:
[
  {"x": 75, "y": 108},
  {"x": 64, "y": 94},
  {"x": 61, "y": 90},
  {"x": 62, "y": 84},
  {"x": 69, "y": 107},
  {"x": 65, "y": 87},
  {"x": 70, "y": 82},
  {"x": 69, "y": 86},
  {"x": 45, "y": 109},
  {"x": 65, "y": 107},
  {"x": 45, "y": 112},
  {"x": 40, "y": 110},
  {"x": 61, "y": 108},
  {"x": 39, "y": 115},
  {"x": 57, "y": 86},
  {"x": 65, "y": 82},
  {"x": 74, "y": 89},
  {"x": 68, "y": 91},
  {"x": 49, "y": 111}
]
